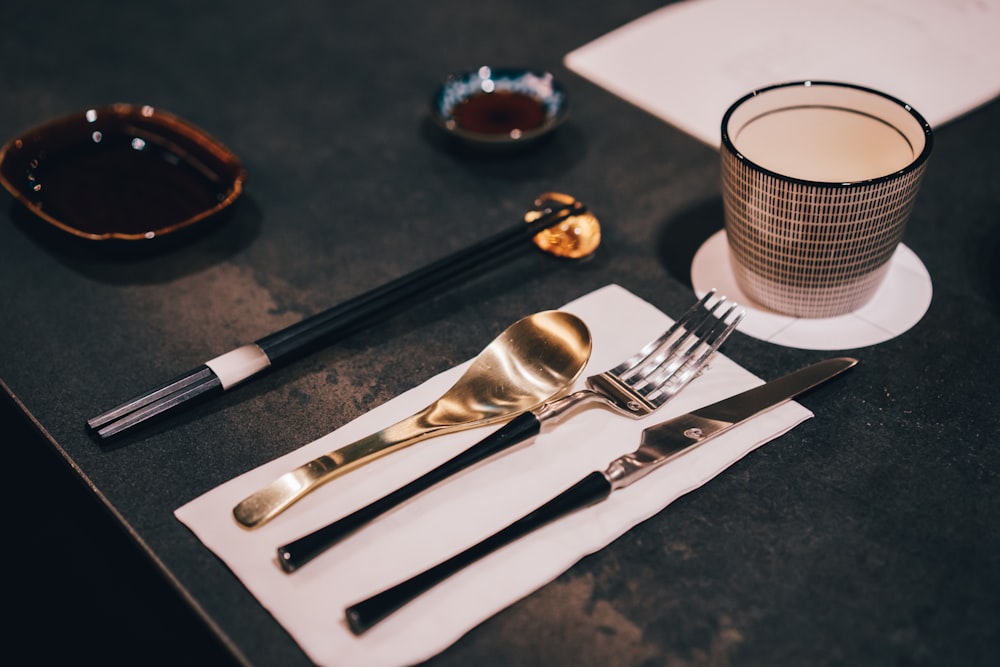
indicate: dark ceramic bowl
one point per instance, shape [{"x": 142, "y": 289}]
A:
[
  {"x": 499, "y": 108},
  {"x": 120, "y": 173}
]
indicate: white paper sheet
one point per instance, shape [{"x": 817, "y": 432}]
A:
[
  {"x": 468, "y": 507},
  {"x": 686, "y": 63}
]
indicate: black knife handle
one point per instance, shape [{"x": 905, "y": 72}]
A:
[
  {"x": 363, "y": 615},
  {"x": 297, "y": 553}
]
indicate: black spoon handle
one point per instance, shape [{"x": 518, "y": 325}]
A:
[
  {"x": 297, "y": 553},
  {"x": 363, "y": 615}
]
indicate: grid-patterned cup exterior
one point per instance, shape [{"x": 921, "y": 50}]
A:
[{"x": 814, "y": 249}]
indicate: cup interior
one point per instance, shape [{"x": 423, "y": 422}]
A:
[{"x": 826, "y": 132}]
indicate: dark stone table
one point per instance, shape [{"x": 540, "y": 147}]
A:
[{"x": 868, "y": 535}]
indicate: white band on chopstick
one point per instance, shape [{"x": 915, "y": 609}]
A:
[{"x": 237, "y": 365}]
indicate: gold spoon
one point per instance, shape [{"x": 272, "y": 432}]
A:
[{"x": 534, "y": 360}]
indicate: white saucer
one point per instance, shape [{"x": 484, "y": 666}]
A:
[{"x": 897, "y": 306}]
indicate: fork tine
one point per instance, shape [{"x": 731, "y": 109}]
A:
[
  {"x": 694, "y": 323},
  {"x": 628, "y": 367},
  {"x": 672, "y": 360},
  {"x": 669, "y": 353},
  {"x": 673, "y": 377}
]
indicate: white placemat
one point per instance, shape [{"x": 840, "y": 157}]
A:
[
  {"x": 687, "y": 62},
  {"x": 309, "y": 603},
  {"x": 897, "y": 306}
]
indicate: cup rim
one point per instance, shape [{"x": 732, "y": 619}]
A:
[{"x": 914, "y": 164}]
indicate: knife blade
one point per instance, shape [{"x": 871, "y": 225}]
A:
[{"x": 659, "y": 445}]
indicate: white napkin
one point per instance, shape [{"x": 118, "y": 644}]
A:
[
  {"x": 461, "y": 511},
  {"x": 687, "y": 62}
]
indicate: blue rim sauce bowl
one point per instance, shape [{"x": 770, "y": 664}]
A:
[{"x": 499, "y": 108}]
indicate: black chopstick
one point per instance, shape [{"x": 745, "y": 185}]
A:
[{"x": 343, "y": 319}]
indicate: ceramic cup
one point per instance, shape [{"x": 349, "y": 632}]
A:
[{"x": 818, "y": 181}]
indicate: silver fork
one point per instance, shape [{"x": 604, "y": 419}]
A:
[
  {"x": 636, "y": 387},
  {"x": 653, "y": 375}
]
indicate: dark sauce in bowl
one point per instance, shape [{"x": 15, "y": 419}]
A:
[
  {"x": 114, "y": 188},
  {"x": 499, "y": 112},
  {"x": 121, "y": 172}
]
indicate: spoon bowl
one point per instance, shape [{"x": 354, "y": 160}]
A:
[{"x": 532, "y": 361}]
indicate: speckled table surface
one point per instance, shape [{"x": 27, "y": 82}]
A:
[{"x": 866, "y": 536}]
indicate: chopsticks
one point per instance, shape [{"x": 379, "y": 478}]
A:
[{"x": 231, "y": 368}]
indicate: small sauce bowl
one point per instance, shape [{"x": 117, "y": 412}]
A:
[{"x": 499, "y": 108}]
